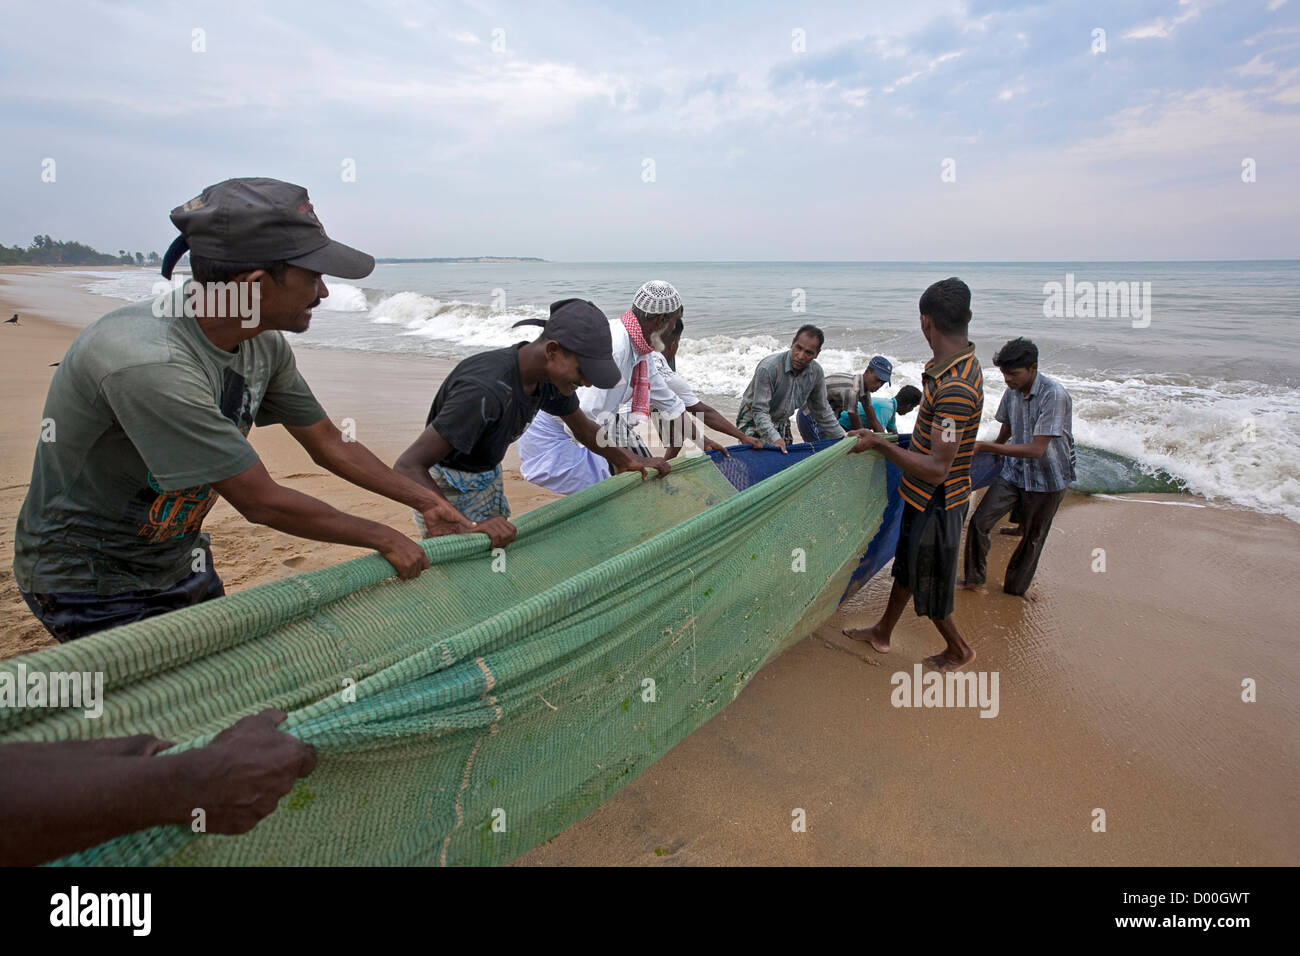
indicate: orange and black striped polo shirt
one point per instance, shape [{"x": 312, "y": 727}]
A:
[{"x": 953, "y": 389}]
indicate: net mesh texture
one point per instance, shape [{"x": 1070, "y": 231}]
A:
[{"x": 470, "y": 715}]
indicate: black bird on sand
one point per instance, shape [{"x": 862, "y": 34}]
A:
[{"x": 13, "y": 321}]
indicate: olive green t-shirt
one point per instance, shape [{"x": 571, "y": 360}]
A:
[{"x": 143, "y": 414}]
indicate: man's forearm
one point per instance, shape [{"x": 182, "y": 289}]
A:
[
  {"x": 69, "y": 801},
  {"x": 927, "y": 468},
  {"x": 418, "y": 475},
  {"x": 354, "y": 462},
  {"x": 587, "y": 432},
  {"x": 306, "y": 517},
  {"x": 718, "y": 422},
  {"x": 1017, "y": 451},
  {"x": 767, "y": 430}
]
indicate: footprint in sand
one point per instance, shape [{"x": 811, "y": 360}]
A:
[{"x": 293, "y": 562}]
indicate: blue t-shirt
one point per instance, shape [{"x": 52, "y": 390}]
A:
[{"x": 884, "y": 408}]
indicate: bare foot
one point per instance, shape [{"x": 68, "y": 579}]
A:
[
  {"x": 945, "y": 662},
  {"x": 1031, "y": 595},
  {"x": 1015, "y": 530},
  {"x": 979, "y": 588},
  {"x": 869, "y": 634}
]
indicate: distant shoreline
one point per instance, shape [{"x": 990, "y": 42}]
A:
[
  {"x": 466, "y": 259},
  {"x": 182, "y": 266}
]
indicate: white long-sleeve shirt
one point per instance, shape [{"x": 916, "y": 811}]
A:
[
  {"x": 549, "y": 456},
  {"x": 595, "y": 401}
]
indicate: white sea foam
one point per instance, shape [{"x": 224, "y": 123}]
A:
[
  {"x": 1148, "y": 501},
  {"x": 470, "y": 326},
  {"x": 723, "y": 365},
  {"x": 135, "y": 285},
  {"x": 343, "y": 298},
  {"x": 1236, "y": 441}
]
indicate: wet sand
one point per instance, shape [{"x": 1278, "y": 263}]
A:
[{"x": 1119, "y": 690}]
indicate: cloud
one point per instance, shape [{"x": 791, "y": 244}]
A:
[
  {"x": 1196, "y": 123},
  {"x": 1283, "y": 89},
  {"x": 761, "y": 150},
  {"x": 1272, "y": 31},
  {"x": 1163, "y": 27},
  {"x": 1258, "y": 66}
]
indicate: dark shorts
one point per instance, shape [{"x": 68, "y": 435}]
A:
[
  {"x": 72, "y": 614},
  {"x": 929, "y": 545}
]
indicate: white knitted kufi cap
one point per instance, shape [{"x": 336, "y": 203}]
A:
[{"x": 657, "y": 297}]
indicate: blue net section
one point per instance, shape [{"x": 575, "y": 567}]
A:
[{"x": 747, "y": 466}]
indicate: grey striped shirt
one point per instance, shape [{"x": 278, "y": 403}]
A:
[
  {"x": 1047, "y": 410},
  {"x": 844, "y": 391}
]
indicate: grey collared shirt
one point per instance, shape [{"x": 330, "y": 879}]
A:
[
  {"x": 776, "y": 392},
  {"x": 1047, "y": 410}
]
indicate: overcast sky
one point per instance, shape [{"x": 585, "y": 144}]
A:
[{"x": 776, "y": 131}]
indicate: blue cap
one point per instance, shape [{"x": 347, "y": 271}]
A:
[{"x": 884, "y": 368}]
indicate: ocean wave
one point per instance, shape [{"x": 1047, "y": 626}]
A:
[
  {"x": 134, "y": 285},
  {"x": 723, "y": 365},
  {"x": 1235, "y": 441},
  {"x": 344, "y": 298},
  {"x": 468, "y": 325}
]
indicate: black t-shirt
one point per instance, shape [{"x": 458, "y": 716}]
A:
[{"x": 482, "y": 407}]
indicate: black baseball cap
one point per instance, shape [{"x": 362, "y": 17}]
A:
[
  {"x": 261, "y": 220},
  {"x": 584, "y": 330}
]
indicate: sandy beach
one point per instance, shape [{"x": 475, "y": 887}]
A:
[{"x": 1120, "y": 690}]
